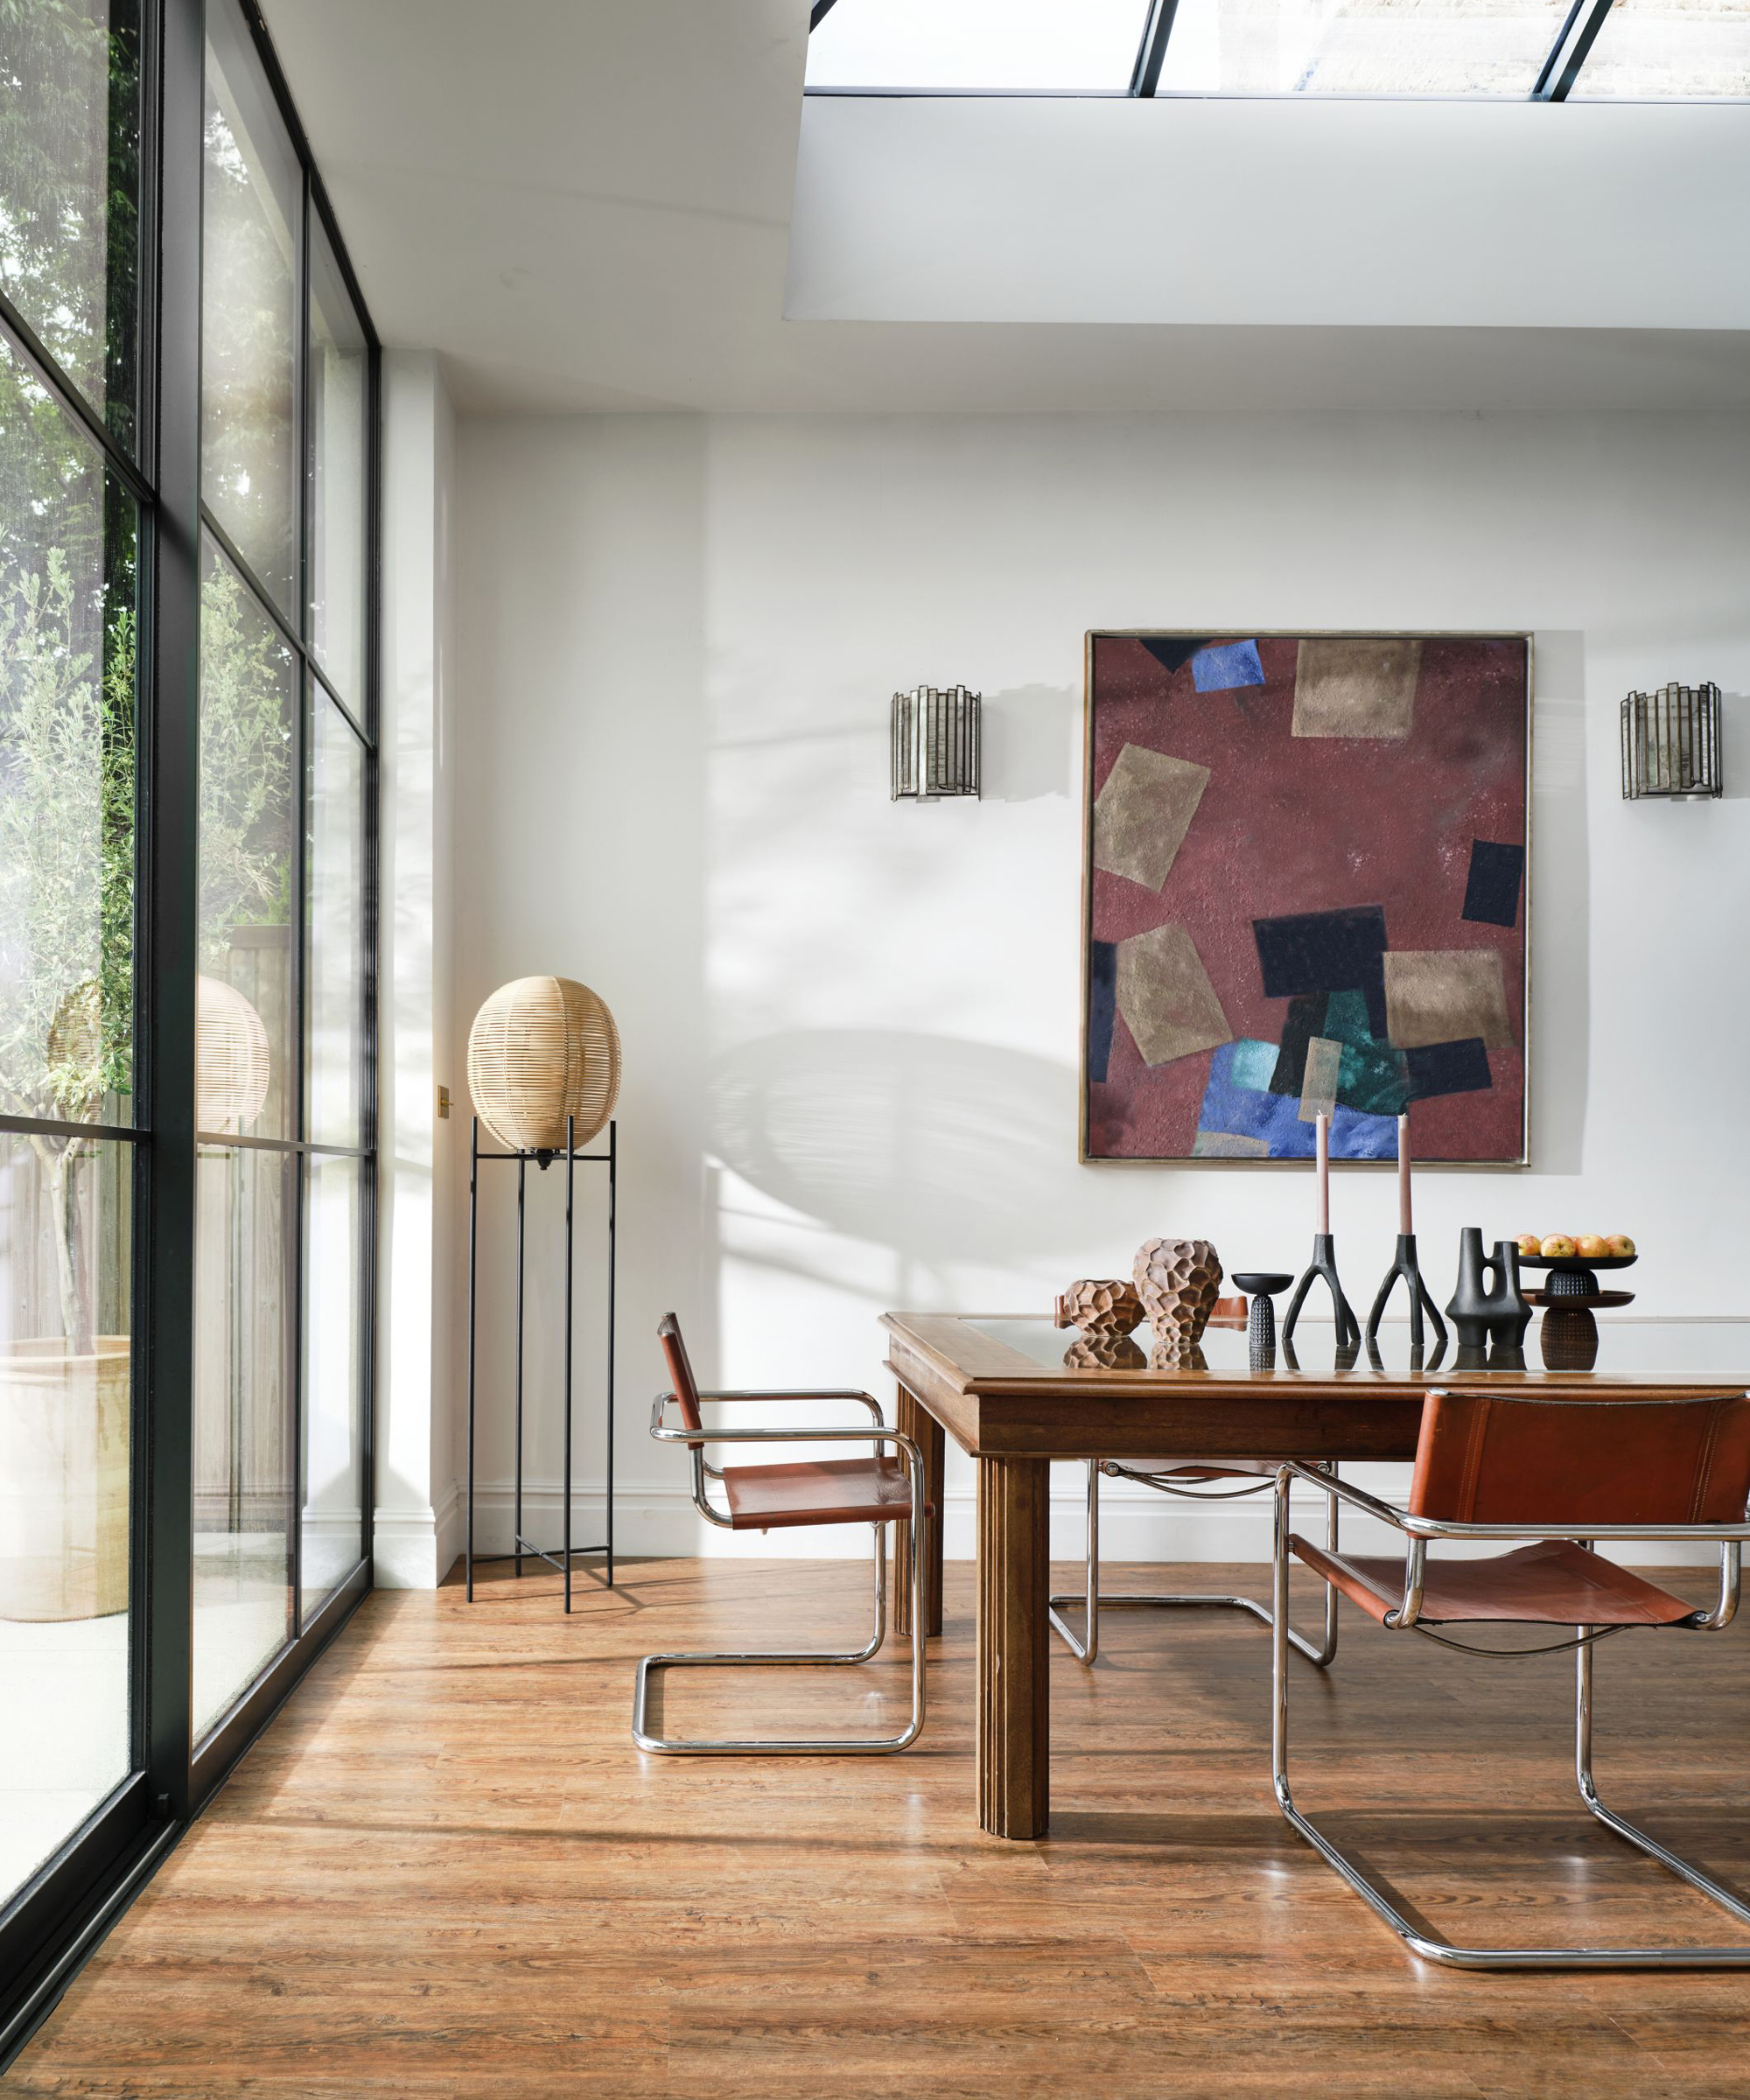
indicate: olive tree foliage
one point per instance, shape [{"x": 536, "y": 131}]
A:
[{"x": 68, "y": 633}]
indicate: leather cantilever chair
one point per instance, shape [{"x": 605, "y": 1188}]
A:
[
  {"x": 1561, "y": 1472},
  {"x": 877, "y": 1490},
  {"x": 1229, "y": 1479}
]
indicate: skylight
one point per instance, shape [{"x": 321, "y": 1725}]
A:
[{"x": 1546, "y": 50}]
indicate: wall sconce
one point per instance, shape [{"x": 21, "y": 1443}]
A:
[
  {"x": 1670, "y": 744},
  {"x": 935, "y": 742}
]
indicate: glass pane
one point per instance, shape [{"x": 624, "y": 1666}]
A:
[
  {"x": 340, "y": 405},
  {"x": 251, "y": 201},
  {"x": 1669, "y": 50},
  {"x": 1437, "y": 47},
  {"x": 67, "y": 654},
  {"x": 332, "y": 1531},
  {"x": 69, "y": 188},
  {"x": 66, "y": 1265},
  {"x": 1015, "y": 45},
  {"x": 246, "y": 1025},
  {"x": 337, "y": 954},
  {"x": 243, "y": 1457}
]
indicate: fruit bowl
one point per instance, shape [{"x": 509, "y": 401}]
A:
[{"x": 1575, "y": 1264}]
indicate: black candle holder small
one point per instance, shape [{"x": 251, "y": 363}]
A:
[
  {"x": 1261, "y": 1286},
  {"x": 1421, "y": 1301},
  {"x": 1323, "y": 1268}
]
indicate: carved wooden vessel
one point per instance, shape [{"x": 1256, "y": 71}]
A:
[{"x": 1177, "y": 1281}]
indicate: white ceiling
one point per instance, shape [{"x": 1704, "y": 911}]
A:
[{"x": 585, "y": 205}]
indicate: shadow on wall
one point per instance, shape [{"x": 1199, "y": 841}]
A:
[
  {"x": 1032, "y": 743},
  {"x": 936, "y": 1147}
]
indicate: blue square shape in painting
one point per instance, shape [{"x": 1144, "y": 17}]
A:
[
  {"x": 1234, "y": 1110},
  {"x": 1230, "y": 664}
]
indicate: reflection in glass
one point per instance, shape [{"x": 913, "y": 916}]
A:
[
  {"x": 340, "y": 407},
  {"x": 1017, "y": 45},
  {"x": 252, "y": 204},
  {"x": 69, "y": 188},
  {"x": 332, "y": 1526},
  {"x": 1359, "y": 47},
  {"x": 243, "y": 1458},
  {"x": 248, "y": 695},
  {"x": 335, "y": 993},
  {"x": 1669, "y": 50},
  {"x": 67, "y": 766},
  {"x": 66, "y": 1261}
]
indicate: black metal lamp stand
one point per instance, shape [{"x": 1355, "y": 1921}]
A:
[{"x": 523, "y": 1548}]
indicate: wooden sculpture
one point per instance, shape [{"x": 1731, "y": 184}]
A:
[
  {"x": 1100, "y": 1306},
  {"x": 1177, "y": 1281}
]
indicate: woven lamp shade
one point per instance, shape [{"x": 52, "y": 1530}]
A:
[
  {"x": 541, "y": 1049},
  {"x": 231, "y": 1063}
]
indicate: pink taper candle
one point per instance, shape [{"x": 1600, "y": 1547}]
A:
[
  {"x": 1323, "y": 1129},
  {"x": 1404, "y": 1224}
]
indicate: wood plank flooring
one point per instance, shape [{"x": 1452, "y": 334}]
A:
[{"x": 444, "y": 1870}]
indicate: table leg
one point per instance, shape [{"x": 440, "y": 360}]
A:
[
  {"x": 916, "y": 1421},
  {"x": 1014, "y": 1707}
]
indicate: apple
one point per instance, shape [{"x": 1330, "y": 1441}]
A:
[
  {"x": 1558, "y": 1247},
  {"x": 1619, "y": 1244},
  {"x": 1591, "y": 1247},
  {"x": 1531, "y": 1243}
]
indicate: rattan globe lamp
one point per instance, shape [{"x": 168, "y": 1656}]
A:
[
  {"x": 541, "y": 1049},
  {"x": 232, "y": 1066}
]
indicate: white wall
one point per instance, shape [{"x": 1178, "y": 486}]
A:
[
  {"x": 850, "y": 1027},
  {"x": 1292, "y": 212}
]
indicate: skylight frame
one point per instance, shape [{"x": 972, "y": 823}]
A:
[{"x": 1557, "y": 77}]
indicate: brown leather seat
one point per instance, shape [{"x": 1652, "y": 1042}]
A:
[
  {"x": 822, "y": 1491},
  {"x": 1554, "y": 1584}
]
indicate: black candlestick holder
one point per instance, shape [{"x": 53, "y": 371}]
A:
[
  {"x": 1323, "y": 1267},
  {"x": 1421, "y": 1301}
]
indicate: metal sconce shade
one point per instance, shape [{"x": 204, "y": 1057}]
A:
[
  {"x": 935, "y": 742},
  {"x": 1670, "y": 744}
]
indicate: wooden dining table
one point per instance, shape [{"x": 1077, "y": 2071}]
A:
[{"x": 1001, "y": 1389}]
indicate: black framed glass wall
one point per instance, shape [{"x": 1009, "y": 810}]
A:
[
  {"x": 284, "y": 1166},
  {"x": 188, "y": 388}
]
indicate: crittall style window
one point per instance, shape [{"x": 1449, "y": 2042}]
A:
[
  {"x": 1550, "y": 50},
  {"x": 188, "y": 387}
]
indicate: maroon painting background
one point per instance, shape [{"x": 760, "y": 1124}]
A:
[{"x": 1290, "y": 824}]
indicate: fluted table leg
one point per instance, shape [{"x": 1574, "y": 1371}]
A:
[{"x": 1014, "y": 1707}]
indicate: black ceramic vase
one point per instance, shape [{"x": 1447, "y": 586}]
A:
[{"x": 1487, "y": 1304}]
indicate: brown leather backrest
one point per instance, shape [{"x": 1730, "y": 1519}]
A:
[
  {"x": 680, "y": 1369},
  {"x": 1508, "y": 1458}
]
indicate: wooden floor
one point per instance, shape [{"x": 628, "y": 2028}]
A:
[{"x": 446, "y": 1872}]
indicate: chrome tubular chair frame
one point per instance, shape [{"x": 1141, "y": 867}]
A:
[
  {"x": 1418, "y": 1531},
  {"x": 649, "y": 1666},
  {"x": 1086, "y": 1646}
]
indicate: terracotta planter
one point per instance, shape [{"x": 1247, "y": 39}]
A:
[{"x": 64, "y": 1480}]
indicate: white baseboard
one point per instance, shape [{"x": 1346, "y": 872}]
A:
[{"x": 414, "y": 1548}]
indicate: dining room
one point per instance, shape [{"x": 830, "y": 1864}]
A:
[{"x": 870, "y": 1162}]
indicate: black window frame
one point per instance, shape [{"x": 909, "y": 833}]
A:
[{"x": 50, "y": 1925}]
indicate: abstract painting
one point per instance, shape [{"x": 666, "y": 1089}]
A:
[{"x": 1306, "y": 893}]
